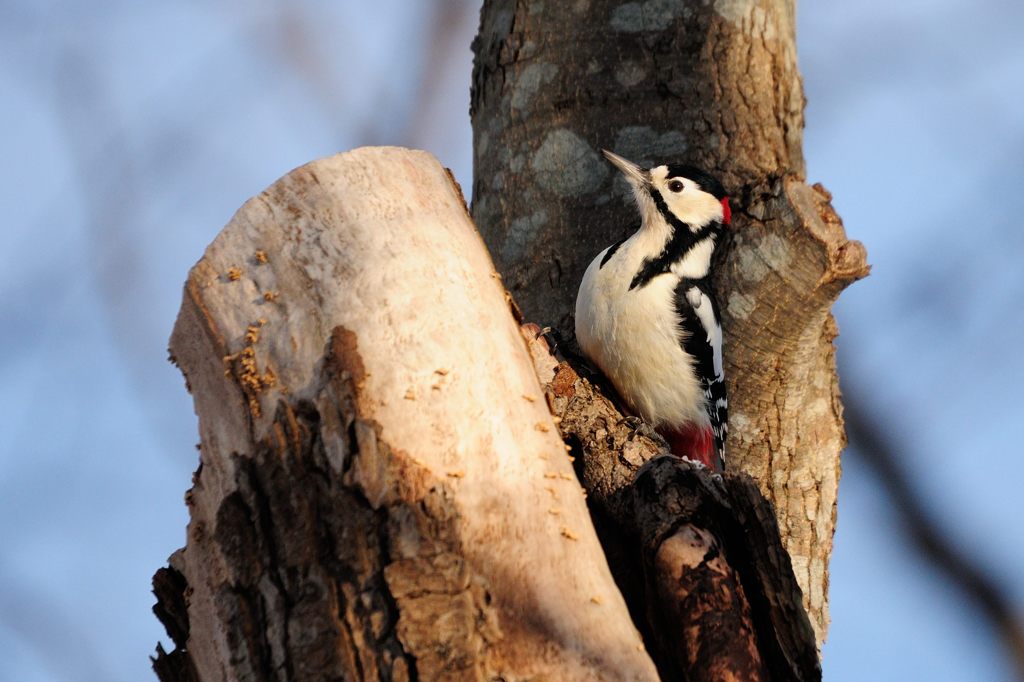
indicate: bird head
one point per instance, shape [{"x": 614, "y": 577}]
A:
[{"x": 675, "y": 193}]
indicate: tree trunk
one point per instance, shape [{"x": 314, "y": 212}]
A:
[
  {"x": 715, "y": 84},
  {"x": 383, "y": 493}
]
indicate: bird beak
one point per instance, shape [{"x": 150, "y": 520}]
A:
[{"x": 637, "y": 176}]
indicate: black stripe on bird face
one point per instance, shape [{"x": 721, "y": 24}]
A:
[
  {"x": 665, "y": 212},
  {"x": 685, "y": 200},
  {"x": 682, "y": 238}
]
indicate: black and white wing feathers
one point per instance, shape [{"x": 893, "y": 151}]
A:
[{"x": 701, "y": 337}]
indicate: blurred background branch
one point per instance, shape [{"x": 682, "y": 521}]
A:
[{"x": 870, "y": 441}]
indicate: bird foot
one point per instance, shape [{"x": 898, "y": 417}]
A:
[
  {"x": 696, "y": 463},
  {"x": 552, "y": 336},
  {"x": 638, "y": 427}
]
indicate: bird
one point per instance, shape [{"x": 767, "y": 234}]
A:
[{"x": 646, "y": 314}]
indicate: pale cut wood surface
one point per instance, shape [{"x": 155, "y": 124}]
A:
[{"x": 348, "y": 324}]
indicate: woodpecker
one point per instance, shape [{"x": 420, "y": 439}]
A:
[{"x": 646, "y": 315}]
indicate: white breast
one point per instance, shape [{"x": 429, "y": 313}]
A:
[{"x": 633, "y": 337}]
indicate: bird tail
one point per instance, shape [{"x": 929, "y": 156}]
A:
[{"x": 694, "y": 442}]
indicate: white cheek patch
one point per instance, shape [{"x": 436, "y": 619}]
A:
[
  {"x": 696, "y": 263},
  {"x": 693, "y": 205}
]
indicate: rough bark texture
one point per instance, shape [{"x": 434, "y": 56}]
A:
[
  {"x": 383, "y": 493},
  {"x": 737, "y": 614},
  {"x": 698, "y": 609},
  {"x": 733, "y": 594},
  {"x": 712, "y": 83}
]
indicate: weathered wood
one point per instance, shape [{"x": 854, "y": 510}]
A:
[
  {"x": 698, "y": 610},
  {"x": 741, "y": 615},
  {"x": 724, "y": 586},
  {"x": 170, "y": 588},
  {"x": 383, "y": 493},
  {"x": 715, "y": 84}
]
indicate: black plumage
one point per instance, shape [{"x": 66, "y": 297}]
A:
[
  {"x": 695, "y": 340},
  {"x": 682, "y": 240}
]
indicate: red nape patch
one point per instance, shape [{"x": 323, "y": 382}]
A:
[
  {"x": 726, "y": 211},
  {"x": 694, "y": 442}
]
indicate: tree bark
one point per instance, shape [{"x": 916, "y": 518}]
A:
[
  {"x": 383, "y": 492},
  {"x": 697, "y": 555},
  {"x": 715, "y": 84}
]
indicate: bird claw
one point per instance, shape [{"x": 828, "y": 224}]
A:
[
  {"x": 637, "y": 427},
  {"x": 551, "y": 335},
  {"x": 631, "y": 421},
  {"x": 695, "y": 463}
]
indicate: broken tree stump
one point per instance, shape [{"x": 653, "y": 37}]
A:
[{"x": 382, "y": 493}]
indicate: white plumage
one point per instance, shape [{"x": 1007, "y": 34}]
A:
[
  {"x": 634, "y": 337},
  {"x": 644, "y": 312}
]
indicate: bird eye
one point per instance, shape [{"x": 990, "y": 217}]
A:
[{"x": 676, "y": 186}]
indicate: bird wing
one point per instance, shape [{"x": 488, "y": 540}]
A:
[{"x": 701, "y": 337}]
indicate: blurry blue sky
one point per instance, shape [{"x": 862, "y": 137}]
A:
[{"x": 133, "y": 130}]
